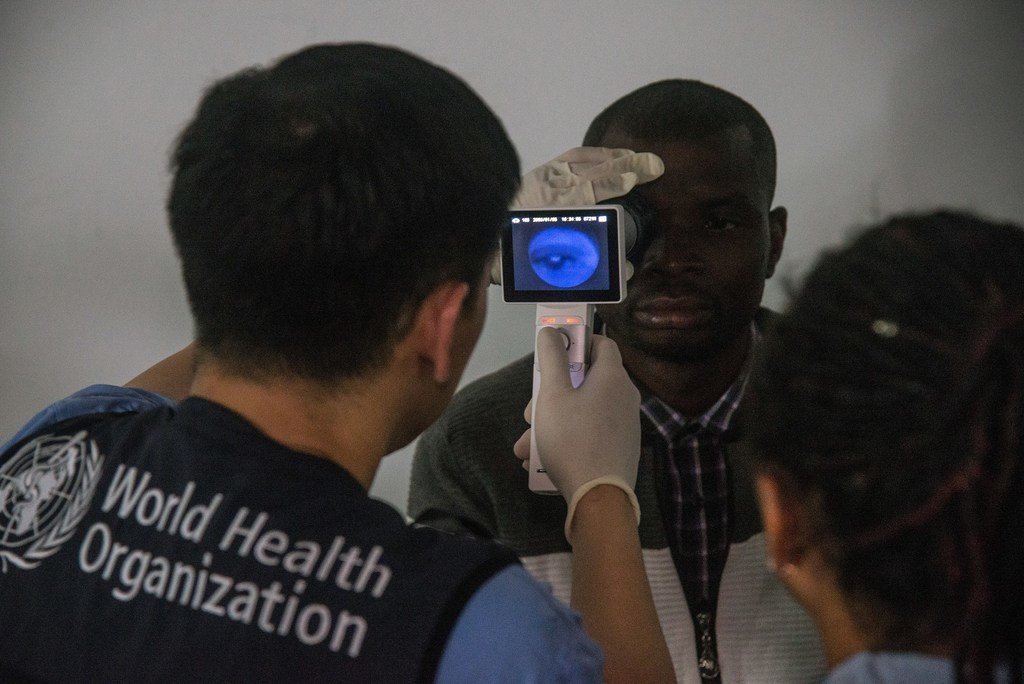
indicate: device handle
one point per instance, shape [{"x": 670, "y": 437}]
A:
[{"x": 576, "y": 323}]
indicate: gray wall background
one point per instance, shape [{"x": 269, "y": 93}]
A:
[{"x": 876, "y": 106}]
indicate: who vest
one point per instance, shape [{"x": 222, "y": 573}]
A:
[{"x": 184, "y": 545}]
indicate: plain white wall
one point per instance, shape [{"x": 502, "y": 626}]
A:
[{"x": 876, "y": 107}]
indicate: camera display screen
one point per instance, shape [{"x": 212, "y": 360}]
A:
[{"x": 562, "y": 255}]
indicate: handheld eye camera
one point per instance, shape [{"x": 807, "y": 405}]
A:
[{"x": 566, "y": 260}]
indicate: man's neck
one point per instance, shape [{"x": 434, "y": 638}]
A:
[
  {"x": 689, "y": 387},
  {"x": 346, "y": 426}
]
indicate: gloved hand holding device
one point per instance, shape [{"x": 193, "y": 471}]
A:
[
  {"x": 566, "y": 253},
  {"x": 590, "y": 435},
  {"x": 588, "y": 428}
]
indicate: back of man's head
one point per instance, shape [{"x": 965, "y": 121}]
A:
[
  {"x": 317, "y": 202},
  {"x": 679, "y": 109}
]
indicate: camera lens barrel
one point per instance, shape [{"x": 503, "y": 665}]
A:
[{"x": 638, "y": 222}]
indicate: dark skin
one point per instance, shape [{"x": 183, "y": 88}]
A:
[{"x": 684, "y": 328}]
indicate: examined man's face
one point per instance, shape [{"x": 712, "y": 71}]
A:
[{"x": 699, "y": 283}]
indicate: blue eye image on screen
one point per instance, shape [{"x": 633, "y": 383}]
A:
[{"x": 563, "y": 257}]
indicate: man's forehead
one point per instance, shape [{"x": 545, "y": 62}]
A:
[
  {"x": 734, "y": 144},
  {"x": 723, "y": 157}
]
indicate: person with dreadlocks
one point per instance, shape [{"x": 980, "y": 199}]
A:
[{"x": 889, "y": 417}]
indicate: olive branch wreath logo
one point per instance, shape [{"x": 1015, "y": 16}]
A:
[{"x": 45, "y": 490}]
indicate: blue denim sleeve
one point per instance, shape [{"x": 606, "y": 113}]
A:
[
  {"x": 514, "y": 630},
  {"x": 92, "y": 399}
]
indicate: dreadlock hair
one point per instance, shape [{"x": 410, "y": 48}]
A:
[{"x": 890, "y": 400}]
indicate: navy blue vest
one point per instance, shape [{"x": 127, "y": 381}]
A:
[{"x": 184, "y": 545}]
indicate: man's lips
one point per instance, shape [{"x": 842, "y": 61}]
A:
[{"x": 679, "y": 311}]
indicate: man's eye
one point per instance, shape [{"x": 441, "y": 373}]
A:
[{"x": 719, "y": 225}]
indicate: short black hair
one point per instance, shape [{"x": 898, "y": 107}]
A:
[
  {"x": 890, "y": 399},
  {"x": 683, "y": 109},
  {"x": 317, "y": 202}
]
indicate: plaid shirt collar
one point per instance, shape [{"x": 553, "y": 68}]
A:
[{"x": 671, "y": 424}]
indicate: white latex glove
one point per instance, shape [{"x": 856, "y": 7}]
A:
[
  {"x": 589, "y": 435},
  {"x": 586, "y": 175}
]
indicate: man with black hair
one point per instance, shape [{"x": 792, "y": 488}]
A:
[
  {"x": 334, "y": 239},
  {"x": 688, "y": 331}
]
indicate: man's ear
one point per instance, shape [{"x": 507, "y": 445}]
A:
[
  {"x": 777, "y": 218},
  {"x": 435, "y": 324},
  {"x": 785, "y": 530}
]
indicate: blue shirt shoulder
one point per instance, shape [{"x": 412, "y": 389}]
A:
[
  {"x": 892, "y": 668},
  {"x": 514, "y": 630},
  {"x": 92, "y": 399}
]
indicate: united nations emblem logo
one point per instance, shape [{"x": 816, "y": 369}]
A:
[{"x": 45, "y": 491}]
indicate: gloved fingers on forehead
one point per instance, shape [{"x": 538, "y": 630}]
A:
[
  {"x": 567, "y": 192},
  {"x": 613, "y": 186},
  {"x": 553, "y": 169},
  {"x": 646, "y": 165},
  {"x": 625, "y": 176},
  {"x": 592, "y": 155},
  {"x": 560, "y": 176}
]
